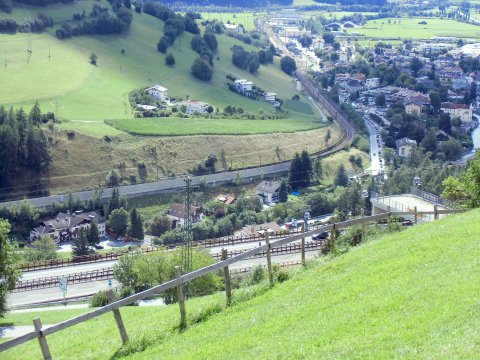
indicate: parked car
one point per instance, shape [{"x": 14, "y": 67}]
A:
[
  {"x": 98, "y": 247},
  {"x": 407, "y": 222}
]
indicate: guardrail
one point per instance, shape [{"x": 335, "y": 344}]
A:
[
  {"x": 76, "y": 278},
  {"x": 41, "y": 333}
]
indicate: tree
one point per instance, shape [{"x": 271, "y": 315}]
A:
[
  {"x": 201, "y": 69},
  {"x": 452, "y": 149},
  {"x": 288, "y": 65},
  {"x": 429, "y": 142},
  {"x": 93, "y": 59},
  {"x": 8, "y": 269},
  {"x": 118, "y": 221},
  {"x": 465, "y": 191},
  {"x": 162, "y": 45},
  {"x": 283, "y": 191},
  {"x": 42, "y": 249},
  {"x": 81, "y": 246},
  {"x": 170, "y": 59},
  {"x": 160, "y": 225},
  {"x": 435, "y": 100},
  {"x": 317, "y": 170},
  {"x": 328, "y": 136},
  {"x": 380, "y": 100},
  {"x": 135, "y": 230},
  {"x": 306, "y": 168},
  {"x": 341, "y": 178},
  {"x": 415, "y": 65},
  {"x": 93, "y": 235},
  {"x": 113, "y": 178}
]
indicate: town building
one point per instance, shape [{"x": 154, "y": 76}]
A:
[
  {"x": 243, "y": 86},
  {"x": 66, "y": 226},
  {"x": 413, "y": 108},
  {"x": 259, "y": 230},
  {"x": 268, "y": 191},
  {"x": 405, "y": 146},
  {"x": 462, "y": 111},
  {"x": 239, "y": 29},
  {"x": 270, "y": 97},
  {"x": 195, "y": 107},
  {"x": 178, "y": 214},
  {"x": 158, "y": 92}
]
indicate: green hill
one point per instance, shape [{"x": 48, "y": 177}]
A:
[
  {"x": 67, "y": 83},
  {"x": 408, "y": 295}
]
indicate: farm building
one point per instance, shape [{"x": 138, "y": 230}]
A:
[{"x": 158, "y": 92}]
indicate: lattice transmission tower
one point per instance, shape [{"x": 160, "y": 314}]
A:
[{"x": 187, "y": 229}]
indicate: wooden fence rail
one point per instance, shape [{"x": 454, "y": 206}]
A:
[{"x": 41, "y": 333}]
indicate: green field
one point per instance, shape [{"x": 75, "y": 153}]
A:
[
  {"x": 298, "y": 107},
  {"x": 411, "y": 29},
  {"x": 244, "y": 18},
  {"x": 201, "y": 126},
  {"x": 408, "y": 295},
  {"x": 67, "y": 84}
]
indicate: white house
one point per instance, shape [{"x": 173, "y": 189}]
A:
[
  {"x": 66, "y": 226},
  {"x": 371, "y": 83},
  {"x": 178, "y": 214},
  {"x": 235, "y": 28},
  {"x": 158, "y": 92},
  {"x": 405, "y": 146},
  {"x": 268, "y": 191},
  {"x": 243, "y": 86},
  {"x": 270, "y": 97},
  {"x": 193, "y": 106},
  {"x": 462, "y": 111}
]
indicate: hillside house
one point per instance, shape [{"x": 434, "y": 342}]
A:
[
  {"x": 226, "y": 199},
  {"x": 259, "y": 230},
  {"x": 268, "y": 191},
  {"x": 239, "y": 29},
  {"x": 193, "y": 107},
  {"x": 178, "y": 214},
  {"x": 158, "y": 92},
  {"x": 405, "y": 146},
  {"x": 66, "y": 226},
  {"x": 270, "y": 97},
  {"x": 462, "y": 111},
  {"x": 243, "y": 86}
]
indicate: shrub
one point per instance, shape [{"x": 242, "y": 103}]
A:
[{"x": 100, "y": 299}]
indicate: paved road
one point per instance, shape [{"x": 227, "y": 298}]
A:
[{"x": 376, "y": 161}]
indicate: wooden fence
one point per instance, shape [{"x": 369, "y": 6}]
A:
[{"x": 41, "y": 333}]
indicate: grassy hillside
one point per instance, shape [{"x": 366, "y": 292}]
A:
[
  {"x": 200, "y": 126},
  {"x": 409, "y": 295},
  {"x": 68, "y": 83}
]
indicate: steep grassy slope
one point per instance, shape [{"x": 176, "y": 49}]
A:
[
  {"x": 68, "y": 83},
  {"x": 410, "y": 295}
]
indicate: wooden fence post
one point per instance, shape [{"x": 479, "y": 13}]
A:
[
  {"x": 435, "y": 212},
  {"x": 228, "y": 283},
  {"x": 269, "y": 259},
  {"x": 118, "y": 319},
  {"x": 363, "y": 226},
  {"x": 333, "y": 236},
  {"x": 415, "y": 219},
  {"x": 42, "y": 340},
  {"x": 303, "y": 246},
  {"x": 181, "y": 299},
  {"x": 389, "y": 219}
]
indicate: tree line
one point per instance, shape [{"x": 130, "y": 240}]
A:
[
  {"x": 37, "y": 25},
  {"x": 101, "y": 21},
  {"x": 23, "y": 146}
]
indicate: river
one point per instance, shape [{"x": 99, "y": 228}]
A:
[{"x": 476, "y": 144}]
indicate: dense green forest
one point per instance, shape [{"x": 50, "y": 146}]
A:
[{"x": 23, "y": 148}]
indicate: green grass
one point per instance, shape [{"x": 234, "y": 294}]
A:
[
  {"x": 411, "y": 29},
  {"x": 244, "y": 18},
  {"x": 48, "y": 317},
  {"x": 298, "y": 107},
  {"x": 67, "y": 84},
  {"x": 201, "y": 126},
  {"x": 407, "y": 295}
]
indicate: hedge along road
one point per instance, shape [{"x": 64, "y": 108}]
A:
[{"x": 178, "y": 183}]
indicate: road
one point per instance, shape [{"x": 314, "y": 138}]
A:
[
  {"x": 81, "y": 289},
  {"x": 376, "y": 161}
]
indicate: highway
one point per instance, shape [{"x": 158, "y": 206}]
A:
[{"x": 81, "y": 289}]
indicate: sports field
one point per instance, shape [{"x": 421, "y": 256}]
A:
[
  {"x": 201, "y": 126},
  {"x": 412, "y": 29}
]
